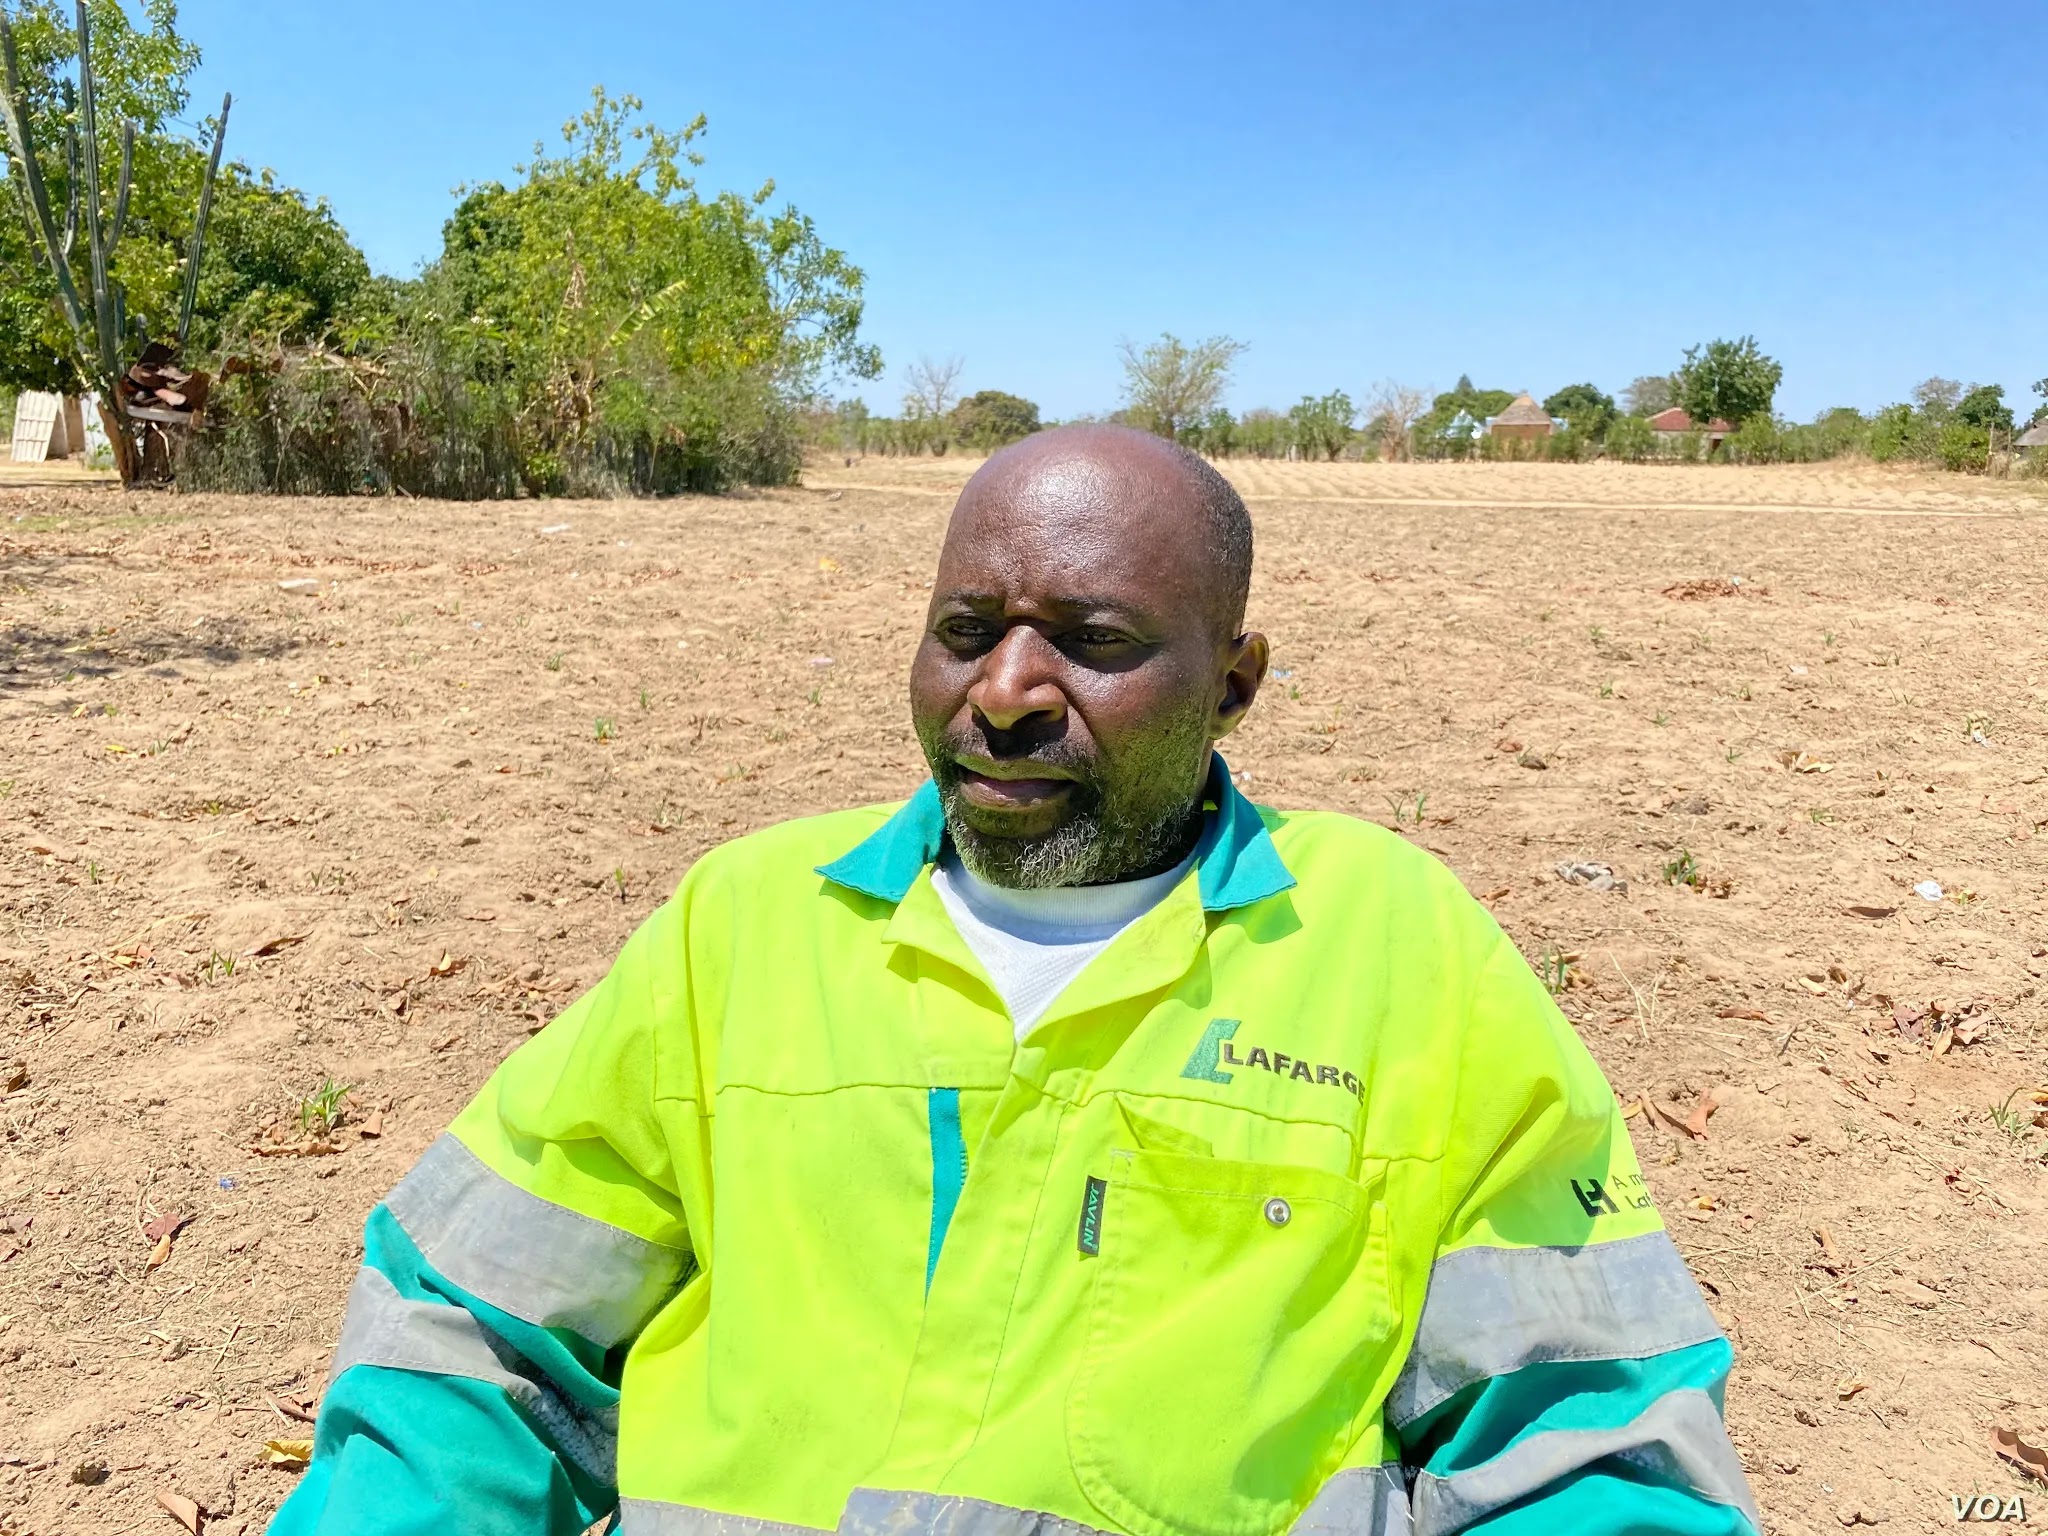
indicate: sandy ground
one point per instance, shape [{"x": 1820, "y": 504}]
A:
[{"x": 375, "y": 826}]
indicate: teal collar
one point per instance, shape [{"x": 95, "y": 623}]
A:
[{"x": 1236, "y": 863}]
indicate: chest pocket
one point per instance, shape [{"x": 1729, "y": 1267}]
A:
[{"x": 1240, "y": 1315}]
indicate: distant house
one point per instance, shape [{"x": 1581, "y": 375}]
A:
[
  {"x": 1672, "y": 424},
  {"x": 1524, "y": 419},
  {"x": 2034, "y": 439}
]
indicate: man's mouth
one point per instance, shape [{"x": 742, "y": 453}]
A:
[{"x": 1017, "y": 786}]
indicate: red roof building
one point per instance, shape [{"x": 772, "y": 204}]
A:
[{"x": 1675, "y": 420}]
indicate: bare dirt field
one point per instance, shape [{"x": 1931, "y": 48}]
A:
[{"x": 364, "y": 791}]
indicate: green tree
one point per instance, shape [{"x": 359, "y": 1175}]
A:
[
  {"x": 1984, "y": 406},
  {"x": 1264, "y": 433},
  {"x": 2041, "y": 410},
  {"x": 989, "y": 418},
  {"x": 1169, "y": 386},
  {"x": 1216, "y": 434},
  {"x": 1585, "y": 407},
  {"x": 140, "y": 72},
  {"x": 1732, "y": 380},
  {"x": 277, "y": 267},
  {"x": 1324, "y": 424}
]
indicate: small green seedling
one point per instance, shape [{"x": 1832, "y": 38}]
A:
[
  {"x": 219, "y": 966},
  {"x": 92, "y": 872},
  {"x": 2013, "y": 1122},
  {"x": 554, "y": 662},
  {"x": 1554, "y": 970},
  {"x": 606, "y": 731},
  {"x": 1408, "y": 810},
  {"x": 1660, "y": 718},
  {"x": 1821, "y": 816},
  {"x": 646, "y": 701},
  {"x": 1607, "y": 689},
  {"x": 321, "y": 1111},
  {"x": 1683, "y": 869},
  {"x": 619, "y": 881}
]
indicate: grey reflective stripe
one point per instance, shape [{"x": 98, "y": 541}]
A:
[
  {"x": 874, "y": 1512},
  {"x": 539, "y": 1261},
  {"x": 1490, "y": 1311},
  {"x": 386, "y": 1329},
  {"x": 1678, "y": 1441},
  {"x": 1358, "y": 1501},
  {"x": 651, "y": 1517}
]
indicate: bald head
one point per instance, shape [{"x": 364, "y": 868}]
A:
[
  {"x": 1091, "y": 475},
  {"x": 1083, "y": 653}
]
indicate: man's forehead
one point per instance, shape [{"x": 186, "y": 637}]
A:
[{"x": 1071, "y": 554}]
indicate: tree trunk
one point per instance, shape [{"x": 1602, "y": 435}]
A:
[{"x": 126, "y": 462}]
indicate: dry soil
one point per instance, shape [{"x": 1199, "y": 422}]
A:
[{"x": 361, "y": 792}]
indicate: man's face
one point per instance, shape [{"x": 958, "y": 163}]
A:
[{"x": 1077, "y": 666}]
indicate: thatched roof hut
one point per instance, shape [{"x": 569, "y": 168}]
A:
[{"x": 1524, "y": 418}]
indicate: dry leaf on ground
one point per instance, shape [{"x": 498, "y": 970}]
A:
[
  {"x": 1831, "y": 1256},
  {"x": 1665, "y": 1118},
  {"x": 2030, "y": 1459},
  {"x": 180, "y": 1509},
  {"x": 1861, "y": 909},
  {"x": 161, "y": 1253},
  {"x": 275, "y": 943},
  {"x": 1696, "y": 1122},
  {"x": 292, "y": 1455}
]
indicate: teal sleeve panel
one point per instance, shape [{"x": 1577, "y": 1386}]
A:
[
  {"x": 1597, "y": 1447},
  {"x": 407, "y": 1452}
]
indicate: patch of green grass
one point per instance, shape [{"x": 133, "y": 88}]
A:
[
  {"x": 606, "y": 731},
  {"x": 1607, "y": 689},
  {"x": 1821, "y": 816},
  {"x": 92, "y": 871},
  {"x": 219, "y": 966},
  {"x": 646, "y": 700},
  {"x": 1660, "y": 718},
  {"x": 1682, "y": 869},
  {"x": 554, "y": 661},
  {"x": 1595, "y": 633}
]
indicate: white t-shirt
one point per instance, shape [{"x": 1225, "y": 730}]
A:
[{"x": 1032, "y": 943}]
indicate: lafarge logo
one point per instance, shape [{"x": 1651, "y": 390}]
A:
[{"x": 1218, "y": 1049}]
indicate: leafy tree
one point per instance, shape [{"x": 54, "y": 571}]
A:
[
  {"x": 1984, "y": 406},
  {"x": 140, "y": 72},
  {"x": 989, "y": 418},
  {"x": 1324, "y": 424},
  {"x": 2041, "y": 410},
  {"x": 1433, "y": 433},
  {"x": 1264, "y": 433},
  {"x": 1585, "y": 407},
  {"x": 1216, "y": 434},
  {"x": 1169, "y": 386},
  {"x": 1732, "y": 380},
  {"x": 276, "y": 266},
  {"x": 1648, "y": 395}
]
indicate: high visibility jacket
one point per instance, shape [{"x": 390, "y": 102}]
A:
[{"x": 1302, "y": 1208}]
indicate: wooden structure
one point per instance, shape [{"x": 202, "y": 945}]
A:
[{"x": 1524, "y": 420}]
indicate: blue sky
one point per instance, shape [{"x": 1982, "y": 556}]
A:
[{"x": 1532, "y": 195}]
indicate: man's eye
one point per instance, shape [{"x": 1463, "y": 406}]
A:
[
  {"x": 965, "y": 632},
  {"x": 1094, "y": 638}
]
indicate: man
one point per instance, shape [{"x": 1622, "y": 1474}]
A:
[{"x": 1075, "y": 1148}]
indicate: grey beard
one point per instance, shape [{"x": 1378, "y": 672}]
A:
[{"x": 1085, "y": 850}]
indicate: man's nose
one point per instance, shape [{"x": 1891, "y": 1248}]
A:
[{"x": 1017, "y": 682}]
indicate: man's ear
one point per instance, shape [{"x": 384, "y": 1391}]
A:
[{"x": 1241, "y": 679}]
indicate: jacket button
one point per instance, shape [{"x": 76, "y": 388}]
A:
[{"x": 1279, "y": 1212}]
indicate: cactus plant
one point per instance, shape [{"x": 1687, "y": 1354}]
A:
[{"x": 96, "y": 309}]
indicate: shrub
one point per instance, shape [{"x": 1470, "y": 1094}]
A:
[
  {"x": 1630, "y": 439},
  {"x": 1964, "y": 447}
]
